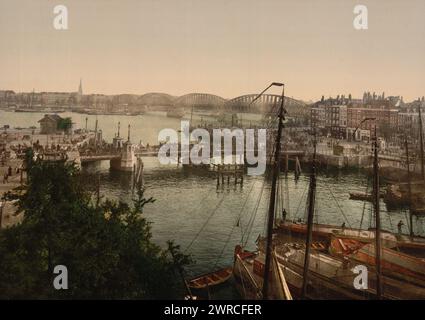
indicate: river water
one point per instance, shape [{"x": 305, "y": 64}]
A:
[{"x": 203, "y": 219}]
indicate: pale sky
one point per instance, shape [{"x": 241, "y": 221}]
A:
[{"x": 224, "y": 47}]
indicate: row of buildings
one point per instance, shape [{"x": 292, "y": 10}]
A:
[
  {"x": 345, "y": 118},
  {"x": 34, "y": 99}
]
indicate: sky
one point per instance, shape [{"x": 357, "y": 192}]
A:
[{"x": 224, "y": 47}]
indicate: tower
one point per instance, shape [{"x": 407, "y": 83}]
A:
[{"x": 80, "y": 88}]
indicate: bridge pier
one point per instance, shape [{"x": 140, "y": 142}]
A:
[{"x": 127, "y": 160}]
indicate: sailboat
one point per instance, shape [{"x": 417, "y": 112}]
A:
[
  {"x": 406, "y": 243},
  {"x": 258, "y": 275},
  {"x": 312, "y": 270},
  {"x": 410, "y": 193}
]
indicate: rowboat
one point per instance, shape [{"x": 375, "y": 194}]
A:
[
  {"x": 361, "y": 196},
  {"x": 210, "y": 279},
  {"x": 364, "y": 196}
]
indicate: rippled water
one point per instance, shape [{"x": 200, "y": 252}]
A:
[{"x": 203, "y": 219}]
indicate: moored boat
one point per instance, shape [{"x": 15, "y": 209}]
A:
[
  {"x": 361, "y": 196},
  {"x": 210, "y": 279},
  {"x": 394, "y": 263},
  {"x": 415, "y": 245}
]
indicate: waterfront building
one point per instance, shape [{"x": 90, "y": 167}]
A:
[
  {"x": 318, "y": 117},
  {"x": 329, "y": 118},
  {"x": 408, "y": 122},
  {"x": 7, "y": 96},
  {"x": 49, "y": 124},
  {"x": 336, "y": 120},
  {"x": 55, "y": 98},
  {"x": 384, "y": 117}
]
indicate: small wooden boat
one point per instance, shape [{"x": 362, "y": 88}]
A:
[
  {"x": 360, "y": 196},
  {"x": 211, "y": 279}
]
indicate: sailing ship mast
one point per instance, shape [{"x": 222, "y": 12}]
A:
[
  {"x": 31, "y": 99},
  {"x": 191, "y": 116},
  {"x": 376, "y": 194},
  {"x": 409, "y": 187},
  {"x": 421, "y": 142},
  {"x": 271, "y": 215},
  {"x": 311, "y": 202}
]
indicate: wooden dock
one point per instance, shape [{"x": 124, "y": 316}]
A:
[{"x": 227, "y": 171}]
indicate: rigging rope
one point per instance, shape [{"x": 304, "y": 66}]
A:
[
  {"x": 250, "y": 224},
  {"x": 233, "y": 227},
  {"x": 301, "y": 201},
  {"x": 238, "y": 222},
  {"x": 205, "y": 224},
  {"x": 337, "y": 203},
  {"x": 364, "y": 204}
]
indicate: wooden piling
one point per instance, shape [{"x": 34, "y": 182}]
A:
[{"x": 286, "y": 164}]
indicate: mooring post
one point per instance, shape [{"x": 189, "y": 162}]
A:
[
  {"x": 286, "y": 164},
  {"x": 179, "y": 148}
]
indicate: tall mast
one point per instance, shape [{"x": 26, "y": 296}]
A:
[
  {"x": 95, "y": 134},
  {"x": 191, "y": 116},
  {"x": 421, "y": 142},
  {"x": 376, "y": 194},
  {"x": 270, "y": 222},
  {"x": 409, "y": 187},
  {"x": 311, "y": 202},
  {"x": 32, "y": 98}
]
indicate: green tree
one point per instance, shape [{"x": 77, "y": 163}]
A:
[
  {"x": 65, "y": 124},
  {"x": 107, "y": 249}
]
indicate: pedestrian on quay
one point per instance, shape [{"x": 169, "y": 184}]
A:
[{"x": 399, "y": 226}]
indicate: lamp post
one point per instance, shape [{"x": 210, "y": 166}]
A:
[{"x": 269, "y": 243}]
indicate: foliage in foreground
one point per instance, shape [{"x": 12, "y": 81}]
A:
[{"x": 107, "y": 248}]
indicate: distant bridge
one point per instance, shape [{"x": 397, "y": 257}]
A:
[
  {"x": 156, "y": 99},
  {"x": 199, "y": 100},
  {"x": 207, "y": 101},
  {"x": 265, "y": 104}
]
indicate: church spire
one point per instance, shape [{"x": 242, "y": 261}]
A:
[{"x": 80, "y": 88}]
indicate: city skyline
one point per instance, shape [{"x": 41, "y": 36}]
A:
[
  {"x": 373, "y": 95},
  {"x": 226, "y": 48}
]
